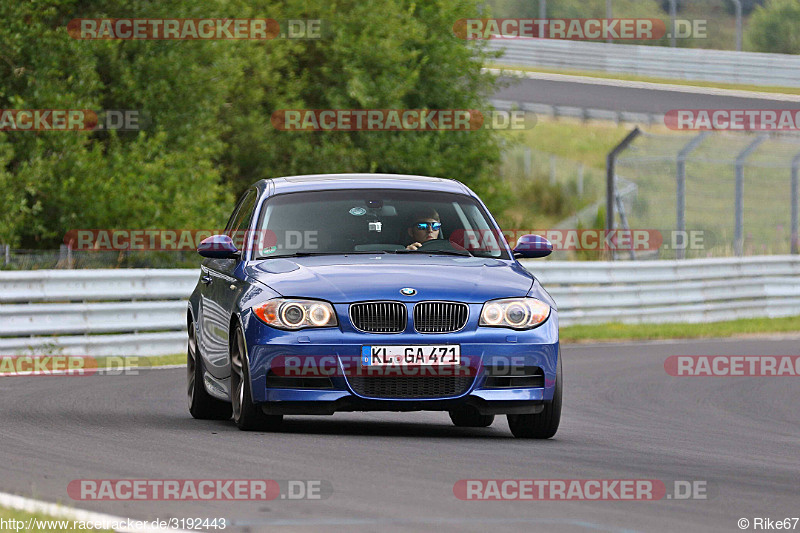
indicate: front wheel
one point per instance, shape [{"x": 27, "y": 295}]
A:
[
  {"x": 247, "y": 415},
  {"x": 541, "y": 425},
  {"x": 201, "y": 404}
]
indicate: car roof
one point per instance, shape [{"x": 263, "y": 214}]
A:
[{"x": 316, "y": 182}]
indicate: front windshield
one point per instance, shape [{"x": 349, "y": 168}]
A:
[{"x": 376, "y": 221}]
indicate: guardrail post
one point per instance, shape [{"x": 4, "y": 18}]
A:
[
  {"x": 738, "y": 232},
  {"x": 7, "y": 253},
  {"x": 680, "y": 176},
  {"x": 611, "y": 162},
  {"x": 795, "y": 236}
]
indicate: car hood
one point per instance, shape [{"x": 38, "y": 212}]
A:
[{"x": 343, "y": 279}]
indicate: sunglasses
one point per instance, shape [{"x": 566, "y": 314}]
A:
[{"x": 435, "y": 226}]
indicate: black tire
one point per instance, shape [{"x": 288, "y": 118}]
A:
[
  {"x": 542, "y": 425},
  {"x": 469, "y": 417},
  {"x": 202, "y": 405},
  {"x": 247, "y": 415}
]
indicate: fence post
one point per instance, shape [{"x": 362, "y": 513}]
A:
[
  {"x": 795, "y": 236},
  {"x": 738, "y": 232},
  {"x": 680, "y": 202},
  {"x": 738, "y": 5},
  {"x": 673, "y": 14},
  {"x": 580, "y": 179},
  {"x": 552, "y": 169},
  {"x": 609, "y": 15},
  {"x": 611, "y": 162},
  {"x": 527, "y": 162},
  {"x": 542, "y": 9},
  {"x": 7, "y": 253}
]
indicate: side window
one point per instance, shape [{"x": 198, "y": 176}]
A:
[
  {"x": 240, "y": 221},
  {"x": 229, "y": 225}
]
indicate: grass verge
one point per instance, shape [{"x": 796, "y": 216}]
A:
[
  {"x": 652, "y": 79},
  {"x": 732, "y": 328},
  {"x": 119, "y": 363}
]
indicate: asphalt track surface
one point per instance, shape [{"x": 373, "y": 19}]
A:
[
  {"x": 623, "y": 418},
  {"x": 630, "y": 99}
]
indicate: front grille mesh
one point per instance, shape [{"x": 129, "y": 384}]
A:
[
  {"x": 440, "y": 317},
  {"x": 379, "y": 317},
  {"x": 410, "y": 386}
]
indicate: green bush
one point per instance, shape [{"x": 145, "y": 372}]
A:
[
  {"x": 208, "y": 105},
  {"x": 773, "y": 27}
]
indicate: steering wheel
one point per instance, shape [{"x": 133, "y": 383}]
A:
[{"x": 439, "y": 244}]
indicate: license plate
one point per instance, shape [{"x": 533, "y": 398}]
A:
[{"x": 445, "y": 354}]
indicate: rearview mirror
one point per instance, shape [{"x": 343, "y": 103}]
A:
[
  {"x": 218, "y": 247},
  {"x": 532, "y": 246}
]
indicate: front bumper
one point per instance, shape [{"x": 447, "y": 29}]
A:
[{"x": 483, "y": 349}]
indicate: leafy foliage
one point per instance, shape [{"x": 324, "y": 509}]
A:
[
  {"x": 208, "y": 106},
  {"x": 773, "y": 28}
]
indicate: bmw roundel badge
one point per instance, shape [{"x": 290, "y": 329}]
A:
[{"x": 408, "y": 291}]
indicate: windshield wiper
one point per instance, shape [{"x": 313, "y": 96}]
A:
[
  {"x": 463, "y": 253},
  {"x": 308, "y": 254}
]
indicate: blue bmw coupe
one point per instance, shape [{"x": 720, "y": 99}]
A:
[{"x": 371, "y": 292}]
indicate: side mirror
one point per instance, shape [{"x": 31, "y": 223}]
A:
[
  {"x": 218, "y": 247},
  {"x": 532, "y": 246}
]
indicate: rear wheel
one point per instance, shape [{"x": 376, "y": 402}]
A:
[
  {"x": 542, "y": 425},
  {"x": 201, "y": 404},
  {"x": 469, "y": 417},
  {"x": 247, "y": 415}
]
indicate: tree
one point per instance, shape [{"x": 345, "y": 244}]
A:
[
  {"x": 208, "y": 106},
  {"x": 773, "y": 27}
]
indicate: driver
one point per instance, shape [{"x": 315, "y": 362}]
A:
[{"x": 425, "y": 226}]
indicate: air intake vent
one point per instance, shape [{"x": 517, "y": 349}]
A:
[
  {"x": 379, "y": 317},
  {"x": 404, "y": 387},
  {"x": 440, "y": 317}
]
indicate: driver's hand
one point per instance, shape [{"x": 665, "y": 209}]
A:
[{"x": 413, "y": 246}]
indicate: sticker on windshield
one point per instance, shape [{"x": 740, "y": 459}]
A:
[
  {"x": 358, "y": 211},
  {"x": 269, "y": 250}
]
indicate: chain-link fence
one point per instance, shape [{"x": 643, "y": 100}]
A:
[
  {"x": 527, "y": 163},
  {"x": 711, "y": 194}
]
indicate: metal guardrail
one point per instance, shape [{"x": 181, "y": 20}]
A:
[
  {"x": 751, "y": 68},
  {"x": 142, "y": 312},
  {"x": 95, "y": 312},
  {"x": 694, "y": 290},
  {"x": 579, "y": 112}
]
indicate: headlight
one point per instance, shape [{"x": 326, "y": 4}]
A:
[
  {"x": 514, "y": 313},
  {"x": 296, "y": 314}
]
